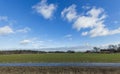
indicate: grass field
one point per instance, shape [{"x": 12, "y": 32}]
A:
[{"x": 60, "y": 57}]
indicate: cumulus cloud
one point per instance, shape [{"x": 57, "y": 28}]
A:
[
  {"x": 93, "y": 20},
  {"x": 9, "y": 28},
  {"x": 89, "y": 21},
  {"x": 5, "y": 30},
  {"x": 45, "y": 9},
  {"x": 70, "y": 13}
]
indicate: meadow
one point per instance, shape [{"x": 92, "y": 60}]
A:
[{"x": 60, "y": 57}]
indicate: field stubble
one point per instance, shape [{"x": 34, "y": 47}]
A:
[{"x": 59, "y": 70}]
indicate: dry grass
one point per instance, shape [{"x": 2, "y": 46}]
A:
[{"x": 59, "y": 70}]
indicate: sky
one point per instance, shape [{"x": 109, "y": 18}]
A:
[{"x": 59, "y": 23}]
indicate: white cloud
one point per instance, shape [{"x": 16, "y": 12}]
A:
[
  {"x": 84, "y": 22},
  {"x": 24, "y": 30},
  {"x": 5, "y": 30},
  {"x": 26, "y": 41},
  {"x": 84, "y": 33},
  {"x": 98, "y": 27},
  {"x": 69, "y": 13},
  {"x": 95, "y": 12},
  {"x": 99, "y": 31},
  {"x": 93, "y": 20},
  {"x": 33, "y": 42},
  {"x": 45, "y": 9},
  {"x": 9, "y": 28}
]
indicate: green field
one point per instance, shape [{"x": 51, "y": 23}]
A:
[{"x": 61, "y": 57}]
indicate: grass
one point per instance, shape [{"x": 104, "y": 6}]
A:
[
  {"x": 59, "y": 70},
  {"x": 60, "y": 57}
]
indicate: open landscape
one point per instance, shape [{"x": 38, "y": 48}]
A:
[{"x": 59, "y": 36}]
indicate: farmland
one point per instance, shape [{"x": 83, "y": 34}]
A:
[{"x": 60, "y": 57}]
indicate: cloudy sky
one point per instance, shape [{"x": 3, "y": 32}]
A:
[{"x": 58, "y": 23}]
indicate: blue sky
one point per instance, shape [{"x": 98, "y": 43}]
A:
[{"x": 58, "y": 23}]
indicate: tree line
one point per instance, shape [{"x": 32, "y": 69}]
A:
[
  {"x": 109, "y": 49},
  {"x": 32, "y": 52}
]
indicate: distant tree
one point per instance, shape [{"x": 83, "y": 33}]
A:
[
  {"x": 118, "y": 45},
  {"x": 59, "y": 52},
  {"x": 88, "y": 51},
  {"x": 112, "y": 47},
  {"x": 70, "y": 51},
  {"x": 118, "y": 48},
  {"x": 96, "y": 49}
]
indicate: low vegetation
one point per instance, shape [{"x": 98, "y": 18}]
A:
[
  {"x": 61, "y": 57},
  {"x": 59, "y": 70}
]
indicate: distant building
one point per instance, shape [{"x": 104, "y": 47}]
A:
[{"x": 107, "y": 51}]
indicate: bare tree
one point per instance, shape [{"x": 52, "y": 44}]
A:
[
  {"x": 118, "y": 48},
  {"x": 96, "y": 49},
  {"x": 112, "y": 47}
]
